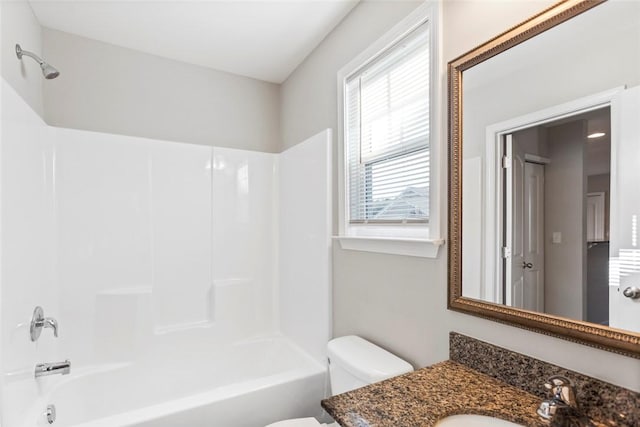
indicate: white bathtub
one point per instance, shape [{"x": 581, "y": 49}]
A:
[{"x": 248, "y": 384}]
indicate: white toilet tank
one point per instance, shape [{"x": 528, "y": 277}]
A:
[{"x": 355, "y": 362}]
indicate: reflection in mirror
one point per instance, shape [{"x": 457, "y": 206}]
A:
[
  {"x": 556, "y": 178},
  {"x": 550, "y": 170}
]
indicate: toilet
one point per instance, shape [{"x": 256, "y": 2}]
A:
[{"x": 353, "y": 363}]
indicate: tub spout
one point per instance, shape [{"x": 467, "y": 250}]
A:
[{"x": 57, "y": 368}]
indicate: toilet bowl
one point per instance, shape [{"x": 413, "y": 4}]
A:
[{"x": 353, "y": 363}]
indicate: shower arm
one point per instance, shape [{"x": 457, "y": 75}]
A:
[{"x": 20, "y": 53}]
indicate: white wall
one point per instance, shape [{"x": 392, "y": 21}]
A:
[
  {"x": 601, "y": 182},
  {"x": 18, "y": 24},
  {"x": 22, "y": 79},
  {"x": 105, "y": 88},
  {"x": 304, "y": 251},
  {"x": 624, "y": 262},
  {"x": 27, "y": 248},
  {"x": 162, "y": 236},
  {"x": 400, "y": 302},
  {"x": 245, "y": 237}
]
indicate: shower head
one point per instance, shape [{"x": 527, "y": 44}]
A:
[{"x": 48, "y": 71}]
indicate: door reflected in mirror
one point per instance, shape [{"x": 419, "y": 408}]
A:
[
  {"x": 556, "y": 178},
  {"x": 544, "y": 172},
  {"x": 560, "y": 236}
]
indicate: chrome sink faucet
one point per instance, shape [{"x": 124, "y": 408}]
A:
[
  {"x": 57, "y": 368},
  {"x": 563, "y": 397},
  {"x": 38, "y": 322}
]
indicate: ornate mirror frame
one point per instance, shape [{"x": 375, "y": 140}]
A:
[{"x": 619, "y": 341}]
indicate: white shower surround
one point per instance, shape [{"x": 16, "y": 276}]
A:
[{"x": 158, "y": 254}]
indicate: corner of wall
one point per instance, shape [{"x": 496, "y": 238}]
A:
[{"x": 20, "y": 25}]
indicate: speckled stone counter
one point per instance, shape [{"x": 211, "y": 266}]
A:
[
  {"x": 484, "y": 379},
  {"x": 423, "y": 397},
  {"x": 598, "y": 400}
]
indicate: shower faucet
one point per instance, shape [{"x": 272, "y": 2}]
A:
[{"x": 38, "y": 322}]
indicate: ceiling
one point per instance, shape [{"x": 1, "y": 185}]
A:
[{"x": 262, "y": 39}]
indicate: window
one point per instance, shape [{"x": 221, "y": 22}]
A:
[
  {"x": 387, "y": 135},
  {"x": 386, "y": 139}
]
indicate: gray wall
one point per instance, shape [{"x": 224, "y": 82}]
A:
[
  {"x": 564, "y": 212},
  {"x": 106, "y": 88},
  {"x": 532, "y": 140},
  {"x": 18, "y": 24},
  {"x": 309, "y": 95},
  {"x": 598, "y": 283},
  {"x": 598, "y": 258},
  {"x": 400, "y": 302}
]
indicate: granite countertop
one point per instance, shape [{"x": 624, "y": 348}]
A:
[{"x": 423, "y": 397}]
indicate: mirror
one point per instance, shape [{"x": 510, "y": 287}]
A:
[{"x": 544, "y": 214}]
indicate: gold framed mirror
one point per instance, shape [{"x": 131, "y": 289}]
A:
[{"x": 562, "y": 85}]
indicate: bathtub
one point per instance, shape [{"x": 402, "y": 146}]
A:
[{"x": 246, "y": 384}]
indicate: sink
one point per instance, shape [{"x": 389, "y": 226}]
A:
[{"x": 474, "y": 421}]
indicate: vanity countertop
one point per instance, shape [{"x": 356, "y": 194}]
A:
[{"x": 423, "y": 397}]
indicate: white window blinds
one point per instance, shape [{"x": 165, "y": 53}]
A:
[{"x": 387, "y": 134}]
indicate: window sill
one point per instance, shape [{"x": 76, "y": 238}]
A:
[{"x": 396, "y": 246}]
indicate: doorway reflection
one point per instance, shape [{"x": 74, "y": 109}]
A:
[{"x": 556, "y": 198}]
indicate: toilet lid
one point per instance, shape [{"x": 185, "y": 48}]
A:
[{"x": 297, "y": 422}]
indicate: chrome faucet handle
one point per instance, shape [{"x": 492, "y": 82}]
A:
[
  {"x": 562, "y": 390},
  {"x": 562, "y": 401},
  {"x": 38, "y": 322},
  {"x": 50, "y": 322}
]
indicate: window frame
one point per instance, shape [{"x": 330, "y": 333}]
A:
[{"x": 410, "y": 238}]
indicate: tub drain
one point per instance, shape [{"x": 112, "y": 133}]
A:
[{"x": 50, "y": 414}]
